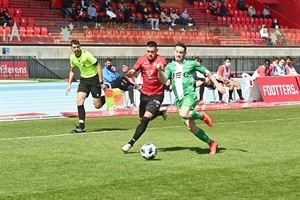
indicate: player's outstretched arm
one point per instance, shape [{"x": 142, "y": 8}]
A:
[{"x": 161, "y": 76}]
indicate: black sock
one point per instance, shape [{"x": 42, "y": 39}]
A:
[
  {"x": 140, "y": 129},
  {"x": 230, "y": 94},
  {"x": 81, "y": 116},
  {"x": 201, "y": 92},
  {"x": 220, "y": 96},
  {"x": 239, "y": 91},
  {"x": 102, "y": 99}
]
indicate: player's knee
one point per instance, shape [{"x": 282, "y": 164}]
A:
[
  {"x": 183, "y": 115},
  {"x": 97, "y": 105}
]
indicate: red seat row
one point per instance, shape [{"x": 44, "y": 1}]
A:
[
  {"x": 26, "y": 31},
  {"x": 244, "y": 20}
]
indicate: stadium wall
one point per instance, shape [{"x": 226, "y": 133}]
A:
[{"x": 63, "y": 52}]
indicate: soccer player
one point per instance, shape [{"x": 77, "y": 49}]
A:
[
  {"x": 224, "y": 76},
  {"x": 152, "y": 91},
  {"x": 202, "y": 79},
  {"x": 263, "y": 70},
  {"x": 90, "y": 81},
  {"x": 180, "y": 73}
]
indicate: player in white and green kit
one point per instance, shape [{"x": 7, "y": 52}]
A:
[{"x": 180, "y": 73}]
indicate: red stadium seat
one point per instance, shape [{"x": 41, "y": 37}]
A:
[
  {"x": 88, "y": 33},
  {"x": 11, "y": 11},
  {"x": 30, "y": 21},
  {"x": 22, "y": 31},
  {"x": 5, "y": 3},
  {"x": 23, "y": 21},
  {"x": 18, "y": 12},
  {"x": 233, "y": 20},
  {"x": 36, "y": 31},
  {"x": 44, "y": 31},
  {"x": 241, "y": 13},
  {"x": 196, "y": 4},
  {"x": 247, "y": 20},
  {"x": 96, "y": 32},
  {"x": 29, "y": 31},
  {"x": 243, "y": 20},
  {"x": 236, "y": 13}
]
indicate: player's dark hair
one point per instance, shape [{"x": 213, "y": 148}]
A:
[
  {"x": 76, "y": 42},
  {"x": 283, "y": 58},
  {"x": 198, "y": 59},
  {"x": 227, "y": 58},
  {"x": 275, "y": 58},
  {"x": 290, "y": 58},
  {"x": 267, "y": 61},
  {"x": 151, "y": 44},
  {"x": 180, "y": 44},
  {"x": 108, "y": 59}
]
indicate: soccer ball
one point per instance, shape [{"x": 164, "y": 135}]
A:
[{"x": 148, "y": 151}]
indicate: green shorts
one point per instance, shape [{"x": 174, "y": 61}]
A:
[{"x": 189, "y": 101}]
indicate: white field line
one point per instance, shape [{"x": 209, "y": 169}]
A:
[{"x": 117, "y": 131}]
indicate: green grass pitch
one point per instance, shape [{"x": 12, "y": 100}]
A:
[{"x": 258, "y": 158}]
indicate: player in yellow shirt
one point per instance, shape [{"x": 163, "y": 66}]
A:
[{"x": 91, "y": 81}]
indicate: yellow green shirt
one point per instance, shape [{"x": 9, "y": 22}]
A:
[{"x": 85, "y": 62}]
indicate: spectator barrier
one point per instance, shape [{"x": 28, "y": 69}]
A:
[{"x": 276, "y": 89}]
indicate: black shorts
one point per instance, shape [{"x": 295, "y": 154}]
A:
[
  {"x": 122, "y": 83},
  {"x": 88, "y": 85},
  {"x": 211, "y": 85},
  {"x": 150, "y": 104}
]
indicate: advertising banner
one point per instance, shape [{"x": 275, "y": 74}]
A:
[
  {"x": 279, "y": 89},
  {"x": 13, "y": 70}
]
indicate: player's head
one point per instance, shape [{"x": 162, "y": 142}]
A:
[
  {"x": 267, "y": 63},
  {"x": 151, "y": 50},
  {"x": 179, "y": 52},
  {"x": 198, "y": 59},
  {"x": 227, "y": 61},
  {"x": 75, "y": 46},
  {"x": 108, "y": 62},
  {"x": 275, "y": 60},
  {"x": 289, "y": 60},
  {"x": 282, "y": 61}
]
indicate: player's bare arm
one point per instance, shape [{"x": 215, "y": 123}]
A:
[
  {"x": 211, "y": 76},
  {"x": 71, "y": 76},
  {"x": 161, "y": 76},
  {"x": 131, "y": 73},
  {"x": 99, "y": 70}
]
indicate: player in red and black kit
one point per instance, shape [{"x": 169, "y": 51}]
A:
[{"x": 152, "y": 91}]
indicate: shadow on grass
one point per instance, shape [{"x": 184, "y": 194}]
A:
[
  {"x": 108, "y": 129},
  {"x": 197, "y": 150}
]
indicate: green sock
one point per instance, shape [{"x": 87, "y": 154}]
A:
[
  {"x": 202, "y": 136},
  {"x": 196, "y": 115}
]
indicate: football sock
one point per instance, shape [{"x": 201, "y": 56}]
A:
[
  {"x": 140, "y": 129},
  {"x": 230, "y": 94},
  {"x": 220, "y": 95},
  {"x": 202, "y": 136},
  {"x": 103, "y": 101},
  {"x": 239, "y": 91},
  {"x": 201, "y": 92},
  {"x": 81, "y": 115},
  {"x": 196, "y": 115}
]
